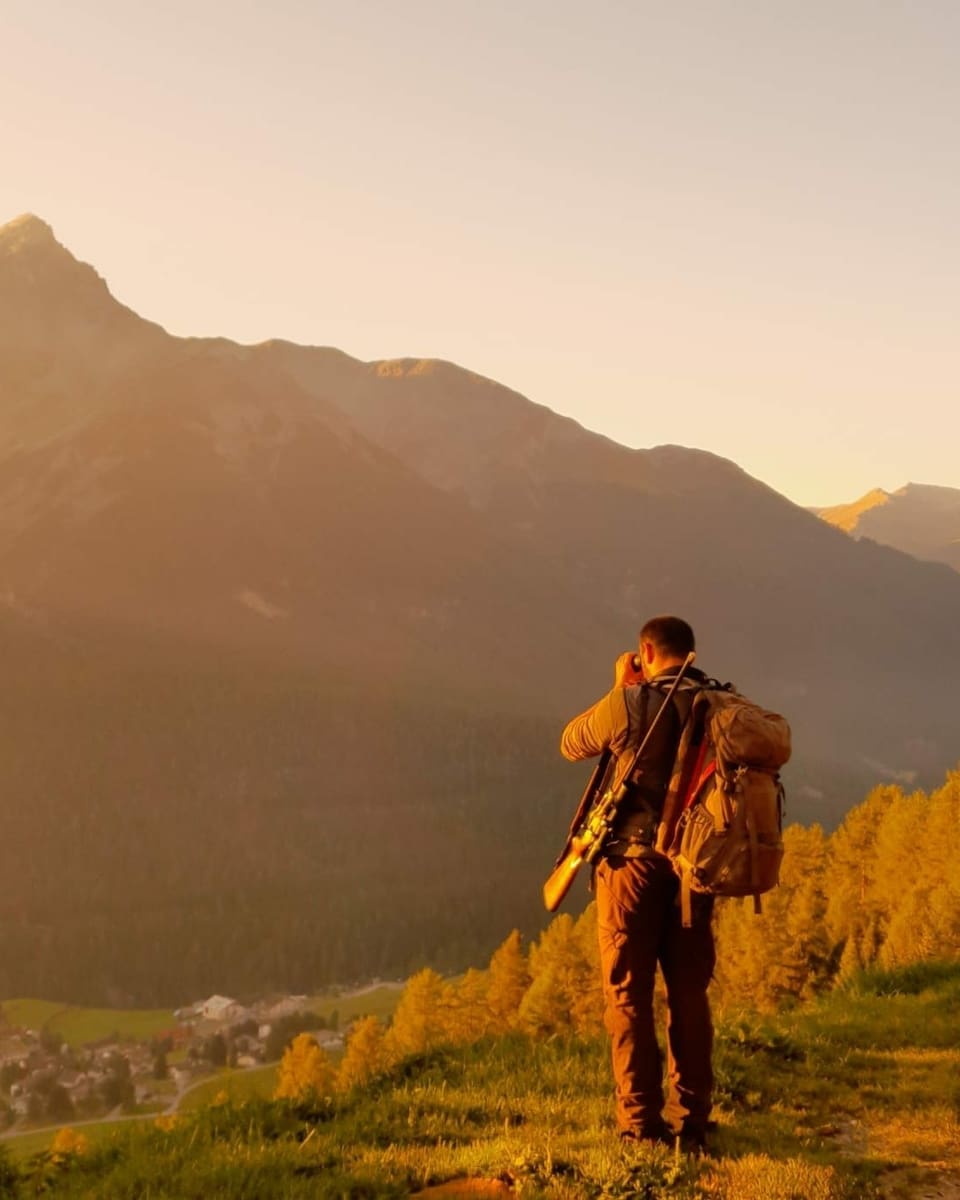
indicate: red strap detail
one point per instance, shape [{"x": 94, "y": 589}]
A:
[{"x": 700, "y": 776}]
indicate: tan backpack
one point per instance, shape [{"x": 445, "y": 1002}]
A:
[{"x": 725, "y": 836}]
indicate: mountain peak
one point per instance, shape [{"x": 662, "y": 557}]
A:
[
  {"x": 848, "y": 516},
  {"x": 45, "y": 291},
  {"x": 23, "y": 232},
  {"x": 28, "y": 244},
  {"x": 922, "y": 519},
  {"x": 929, "y": 492}
]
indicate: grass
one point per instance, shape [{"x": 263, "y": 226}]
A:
[
  {"x": 30, "y": 1014},
  {"x": 23, "y": 1145},
  {"x": 79, "y": 1026},
  {"x": 377, "y": 1002},
  {"x": 237, "y": 1086},
  {"x": 852, "y": 1098}
]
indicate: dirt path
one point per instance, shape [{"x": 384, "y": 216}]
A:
[
  {"x": 939, "y": 1186},
  {"x": 918, "y": 1144}
]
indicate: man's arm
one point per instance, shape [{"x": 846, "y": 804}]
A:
[
  {"x": 605, "y": 723},
  {"x": 602, "y": 725}
]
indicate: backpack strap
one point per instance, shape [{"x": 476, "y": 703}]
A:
[
  {"x": 681, "y": 709},
  {"x": 686, "y": 901},
  {"x": 698, "y": 776},
  {"x": 754, "y": 850}
]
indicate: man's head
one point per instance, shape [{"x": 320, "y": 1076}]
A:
[{"x": 664, "y": 642}]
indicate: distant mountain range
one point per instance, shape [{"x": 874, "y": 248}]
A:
[
  {"x": 288, "y": 640},
  {"x": 921, "y": 519}
]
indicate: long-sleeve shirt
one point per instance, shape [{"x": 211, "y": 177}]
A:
[
  {"x": 619, "y": 720},
  {"x": 604, "y": 724}
]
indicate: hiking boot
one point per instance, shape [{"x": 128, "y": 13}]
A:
[
  {"x": 693, "y": 1141},
  {"x": 656, "y": 1136}
]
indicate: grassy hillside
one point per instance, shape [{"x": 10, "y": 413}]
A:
[
  {"x": 27, "y": 1147},
  {"x": 235, "y": 1086},
  {"x": 854, "y": 1096}
]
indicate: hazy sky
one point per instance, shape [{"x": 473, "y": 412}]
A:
[{"x": 730, "y": 225}]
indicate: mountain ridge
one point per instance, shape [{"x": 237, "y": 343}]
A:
[{"x": 922, "y": 519}]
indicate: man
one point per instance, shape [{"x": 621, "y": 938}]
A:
[{"x": 638, "y": 913}]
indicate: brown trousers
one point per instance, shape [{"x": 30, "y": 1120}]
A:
[{"x": 639, "y": 925}]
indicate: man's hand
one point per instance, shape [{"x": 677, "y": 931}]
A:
[{"x": 625, "y": 674}]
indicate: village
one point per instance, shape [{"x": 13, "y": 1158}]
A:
[{"x": 47, "y": 1079}]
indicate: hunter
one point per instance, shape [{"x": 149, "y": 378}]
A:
[{"x": 638, "y": 912}]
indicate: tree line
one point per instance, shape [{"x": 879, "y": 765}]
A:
[{"x": 882, "y": 890}]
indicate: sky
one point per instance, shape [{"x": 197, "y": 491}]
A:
[{"x": 729, "y": 224}]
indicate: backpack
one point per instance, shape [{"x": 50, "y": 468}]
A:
[{"x": 725, "y": 834}]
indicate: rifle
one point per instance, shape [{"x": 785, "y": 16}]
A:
[{"x": 587, "y": 836}]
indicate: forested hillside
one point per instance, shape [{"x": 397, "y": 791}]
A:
[
  {"x": 259, "y": 831},
  {"x": 850, "y": 901}
]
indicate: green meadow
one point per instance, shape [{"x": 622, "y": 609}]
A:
[
  {"x": 234, "y": 1086},
  {"x": 379, "y": 1001},
  {"x": 79, "y": 1026},
  {"x": 24, "y": 1146}
]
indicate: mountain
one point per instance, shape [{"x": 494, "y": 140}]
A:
[
  {"x": 288, "y": 640},
  {"x": 918, "y": 518},
  {"x": 782, "y": 604}
]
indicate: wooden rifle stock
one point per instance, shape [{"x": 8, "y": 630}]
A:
[
  {"x": 570, "y": 860},
  {"x": 561, "y": 880}
]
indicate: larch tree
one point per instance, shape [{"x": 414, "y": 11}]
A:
[
  {"x": 805, "y": 962},
  {"x": 560, "y": 974},
  {"x": 924, "y": 923},
  {"x": 509, "y": 978},
  {"x": 468, "y": 1016},
  {"x": 900, "y": 883},
  {"x": 364, "y": 1056},
  {"x": 762, "y": 960},
  {"x": 305, "y": 1071},
  {"x": 586, "y": 1009},
  {"x": 421, "y": 1018},
  {"x": 941, "y": 862},
  {"x": 851, "y": 871}
]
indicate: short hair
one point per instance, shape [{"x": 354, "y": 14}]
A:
[{"x": 671, "y": 636}]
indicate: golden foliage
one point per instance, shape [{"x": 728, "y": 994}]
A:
[
  {"x": 509, "y": 975},
  {"x": 305, "y": 1071},
  {"x": 365, "y": 1055},
  {"x": 564, "y": 995},
  {"x": 421, "y": 1018},
  {"x": 468, "y": 1016},
  {"x": 884, "y": 888},
  {"x": 67, "y": 1141}
]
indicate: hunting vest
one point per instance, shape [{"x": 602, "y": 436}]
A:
[{"x": 638, "y": 815}]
